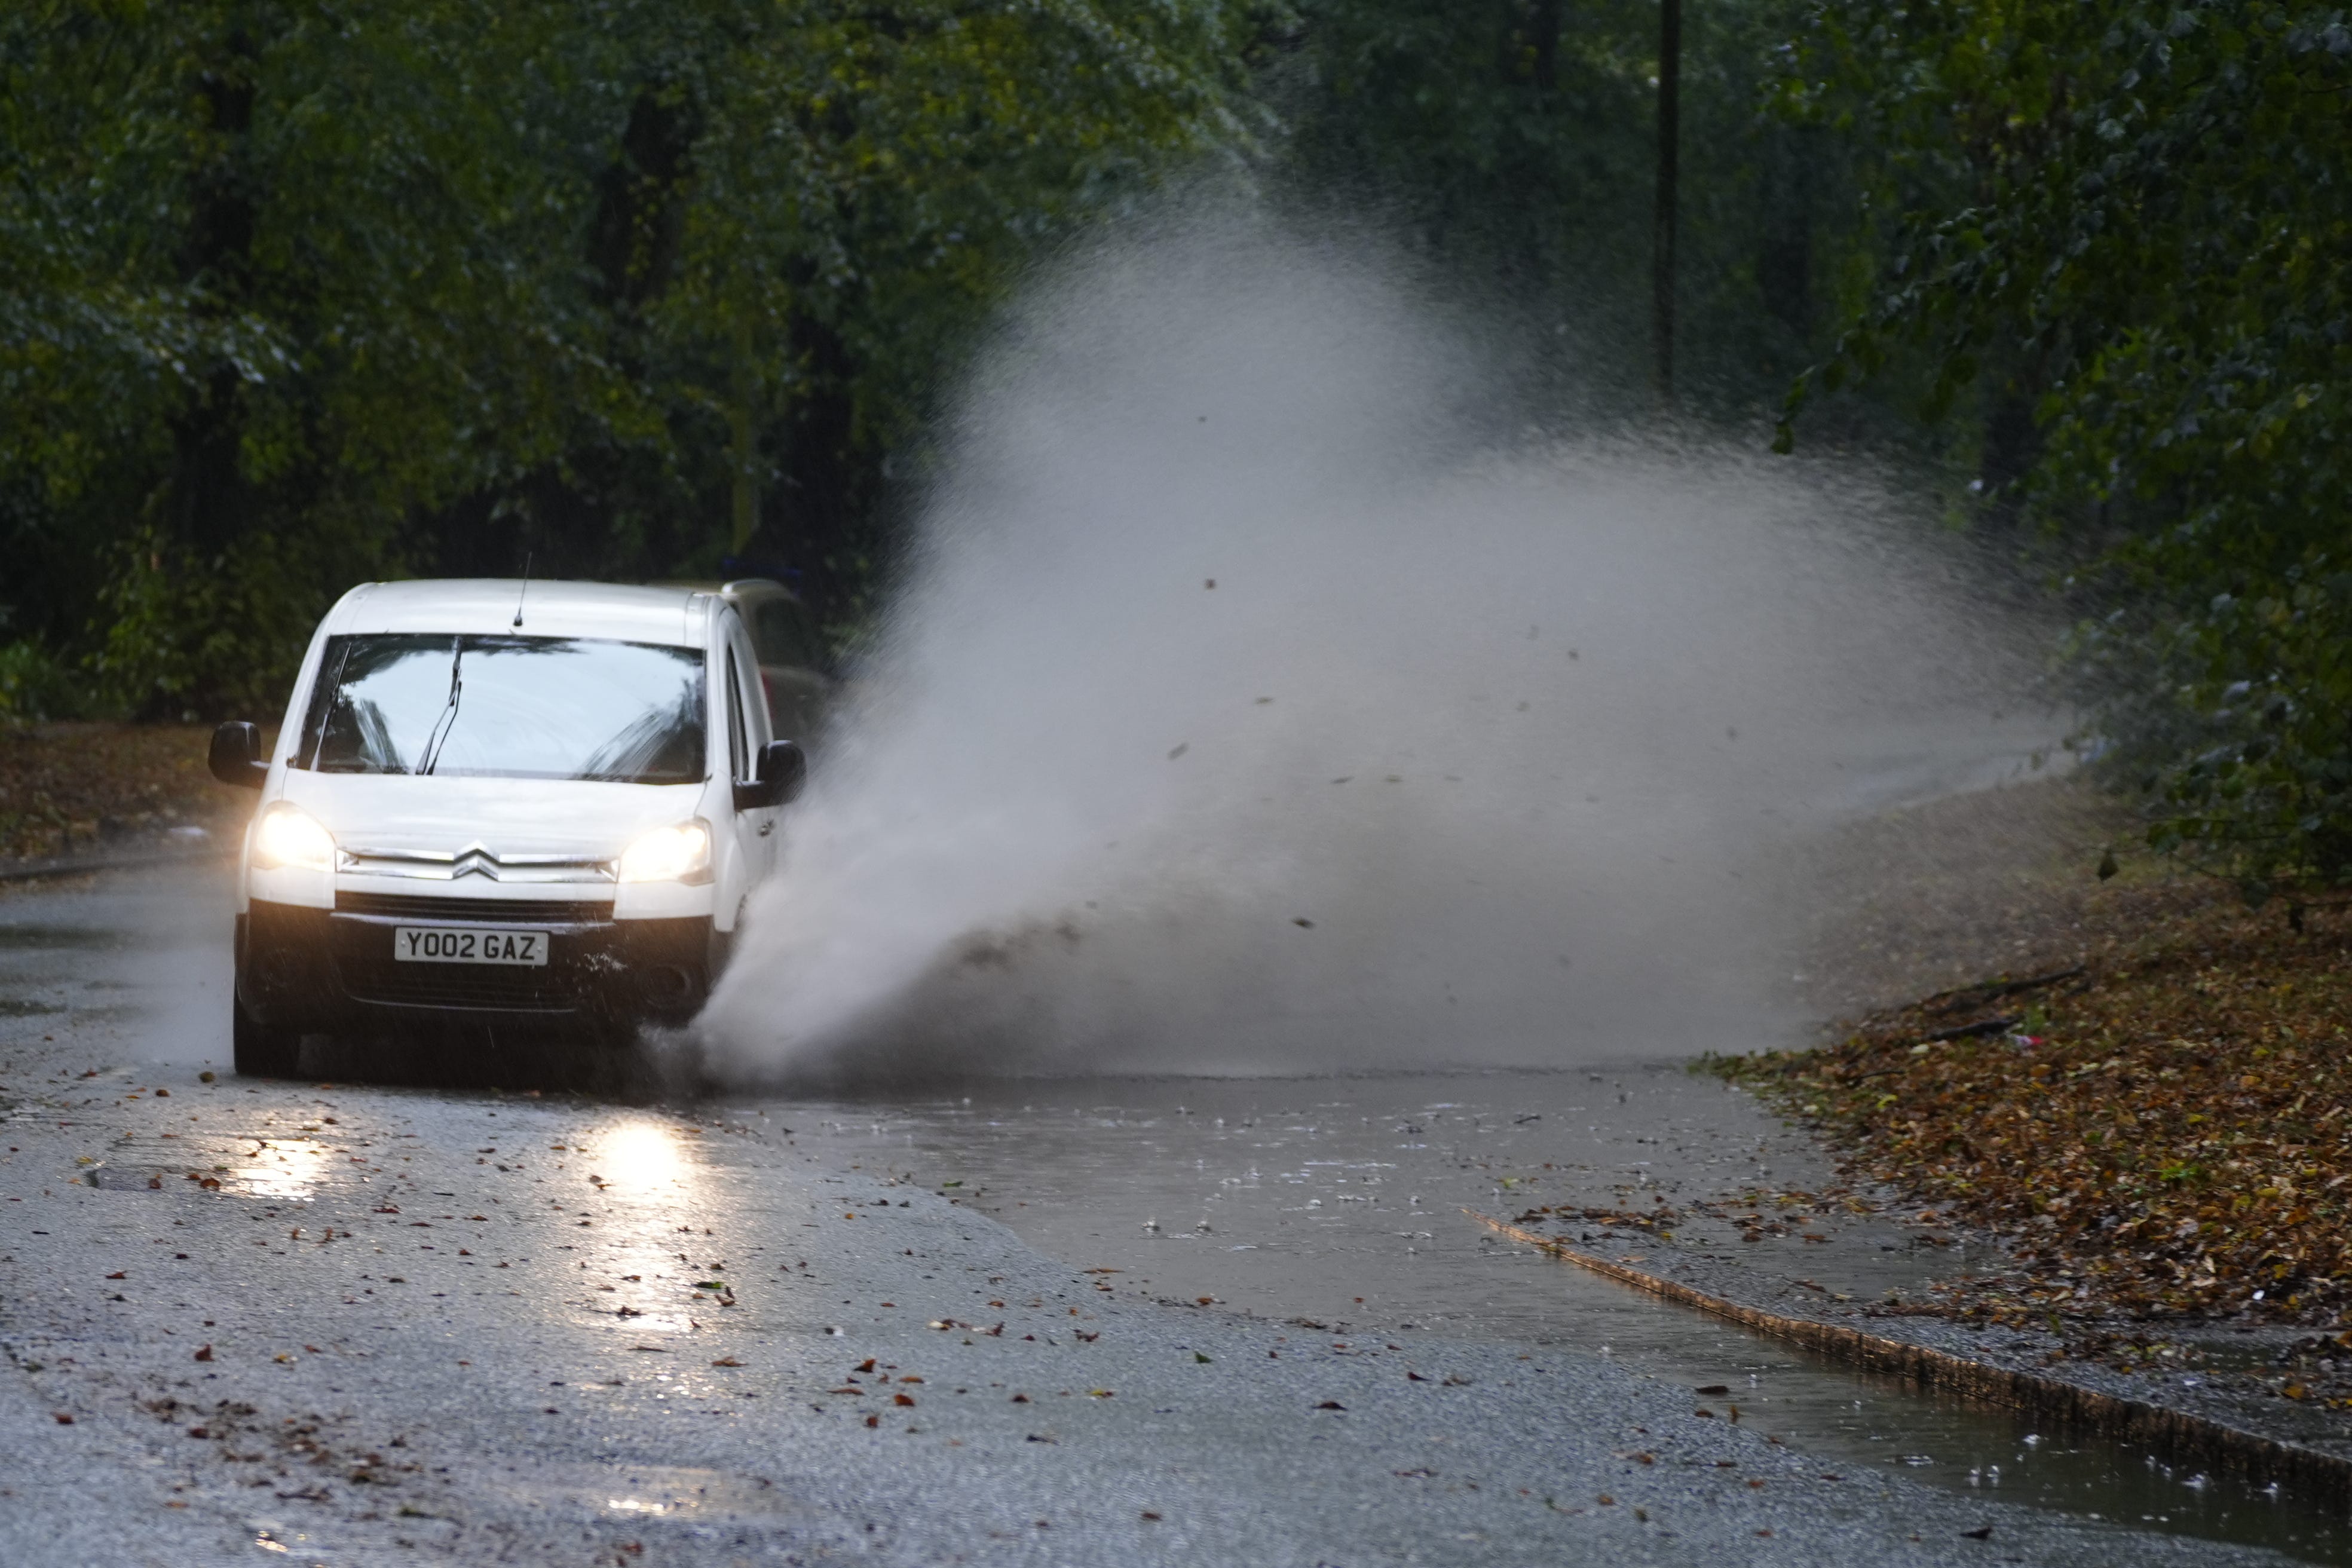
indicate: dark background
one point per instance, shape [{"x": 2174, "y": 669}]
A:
[{"x": 297, "y": 294}]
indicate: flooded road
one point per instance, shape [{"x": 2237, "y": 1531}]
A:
[
  {"x": 371, "y": 1316},
  {"x": 1341, "y": 1200}
]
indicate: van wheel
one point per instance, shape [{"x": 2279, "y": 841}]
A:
[{"x": 263, "y": 1052}]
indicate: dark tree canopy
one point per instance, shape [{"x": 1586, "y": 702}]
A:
[
  {"x": 299, "y": 293},
  {"x": 2123, "y": 260}
]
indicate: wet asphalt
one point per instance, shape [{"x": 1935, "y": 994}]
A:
[{"x": 339, "y": 1321}]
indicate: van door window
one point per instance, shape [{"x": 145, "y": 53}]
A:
[{"x": 739, "y": 751}]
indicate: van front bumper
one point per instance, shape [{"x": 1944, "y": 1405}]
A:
[{"x": 325, "y": 971}]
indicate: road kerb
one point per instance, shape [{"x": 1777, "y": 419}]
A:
[{"x": 2177, "y": 1435}]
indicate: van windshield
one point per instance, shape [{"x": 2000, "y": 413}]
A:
[{"x": 507, "y": 707}]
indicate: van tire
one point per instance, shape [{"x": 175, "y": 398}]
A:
[{"x": 261, "y": 1051}]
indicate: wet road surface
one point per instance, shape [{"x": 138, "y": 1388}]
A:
[
  {"x": 1340, "y": 1202},
  {"x": 379, "y": 1323}
]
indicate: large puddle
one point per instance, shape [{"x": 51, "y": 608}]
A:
[{"x": 1338, "y": 1202}]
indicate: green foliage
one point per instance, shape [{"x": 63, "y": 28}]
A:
[
  {"x": 2130, "y": 224},
  {"x": 186, "y": 632},
  {"x": 1516, "y": 140},
  {"x": 298, "y": 292},
  {"x": 33, "y": 685}
]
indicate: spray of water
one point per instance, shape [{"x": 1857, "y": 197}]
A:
[{"x": 1248, "y": 708}]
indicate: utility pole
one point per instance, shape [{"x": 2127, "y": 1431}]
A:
[{"x": 1661, "y": 231}]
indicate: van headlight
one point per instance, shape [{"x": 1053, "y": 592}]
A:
[
  {"x": 678, "y": 854},
  {"x": 291, "y": 837}
]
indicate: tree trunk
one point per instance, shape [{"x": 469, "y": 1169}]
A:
[
  {"x": 203, "y": 508},
  {"x": 1662, "y": 238},
  {"x": 746, "y": 444},
  {"x": 1543, "y": 38}
]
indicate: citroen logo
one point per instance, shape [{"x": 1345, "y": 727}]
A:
[{"x": 475, "y": 860}]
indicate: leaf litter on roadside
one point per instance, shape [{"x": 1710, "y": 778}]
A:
[{"x": 2158, "y": 1131}]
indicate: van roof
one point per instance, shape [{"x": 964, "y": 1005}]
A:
[{"x": 677, "y": 616}]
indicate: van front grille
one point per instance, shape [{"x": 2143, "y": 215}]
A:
[
  {"x": 495, "y": 911},
  {"x": 492, "y": 986}
]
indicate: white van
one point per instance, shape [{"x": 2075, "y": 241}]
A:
[{"x": 504, "y": 803}]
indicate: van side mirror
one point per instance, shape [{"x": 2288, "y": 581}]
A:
[
  {"x": 782, "y": 770},
  {"x": 235, "y": 757}
]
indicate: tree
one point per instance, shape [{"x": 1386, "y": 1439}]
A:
[
  {"x": 2126, "y": 240},
  {"x": 303, "y": 293}
]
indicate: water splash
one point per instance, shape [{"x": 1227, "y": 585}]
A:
[{"x": 1250, "y": 705}]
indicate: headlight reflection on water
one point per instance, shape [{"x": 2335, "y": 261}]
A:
[
  {"x": 288, "y": 1168},
  {"x": 647, "y": 1164},
  {"x": 639, "y": 1157}
]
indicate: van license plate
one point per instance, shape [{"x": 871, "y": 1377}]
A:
[{"x": 458, "y": 944}]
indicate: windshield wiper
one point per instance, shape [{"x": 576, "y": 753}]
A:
[{"x": 448, "y": 720}]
